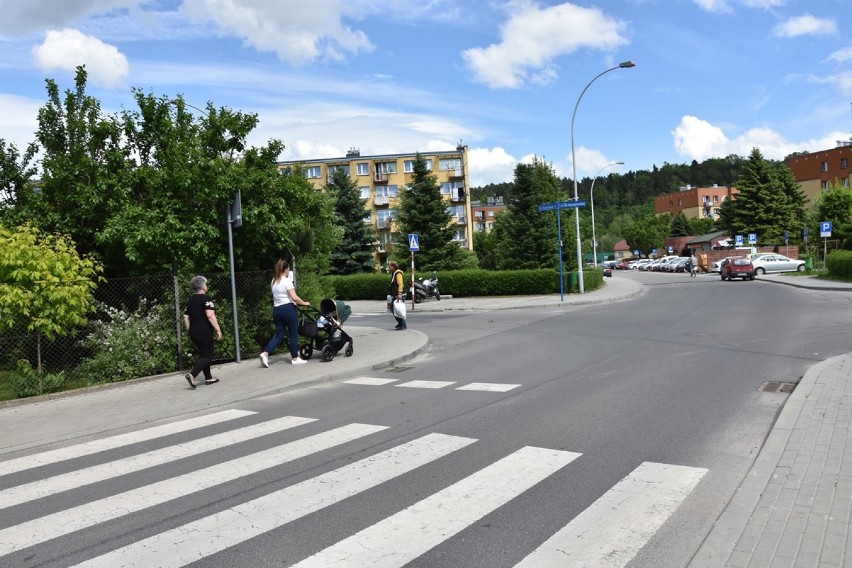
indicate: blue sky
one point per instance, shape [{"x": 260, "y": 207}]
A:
[{"x": 712, "y": 77}]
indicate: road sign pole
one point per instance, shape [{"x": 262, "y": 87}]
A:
[
  {"x": 412, "y": 280},
  {"x": 559, "y": 241}
]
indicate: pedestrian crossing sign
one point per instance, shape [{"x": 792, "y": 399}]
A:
[{"x": 413, "y": 242}]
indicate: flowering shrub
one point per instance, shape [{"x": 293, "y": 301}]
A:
[{"x": 127, "y": 345}]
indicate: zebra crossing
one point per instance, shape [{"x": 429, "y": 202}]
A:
[
  {"x": 424, "y": 384},
  {"x": 610, "y": 532}
]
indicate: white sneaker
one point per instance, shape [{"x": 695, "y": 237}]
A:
[
  {"x": 264, "y": 360},
  {"x": 298, "y": 361}
]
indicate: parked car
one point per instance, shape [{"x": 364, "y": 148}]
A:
[
  {"x": 769, "y": 262},
  {"x": 737, "y": 267},
  {"x": 717, "y": 266},
  {"x": 638, "y": 264}
]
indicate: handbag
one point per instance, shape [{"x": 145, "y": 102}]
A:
[
  {"x": 307, "y": 327},
  {"x": 399, "y": 309}
]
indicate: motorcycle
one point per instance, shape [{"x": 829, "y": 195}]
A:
[{"x": 427, "y": 288}]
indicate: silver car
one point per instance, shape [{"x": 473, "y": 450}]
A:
[{"x": 769, "y": 262}]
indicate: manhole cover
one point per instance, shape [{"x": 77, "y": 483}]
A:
[
  {"x": 398, "y": 369},
  {"x": 775, "y": 386}
]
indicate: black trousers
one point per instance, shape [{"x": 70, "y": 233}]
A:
[{"x": 203, "y": 340}]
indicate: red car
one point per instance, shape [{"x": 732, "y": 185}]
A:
[{"x": 737, "y": 267}]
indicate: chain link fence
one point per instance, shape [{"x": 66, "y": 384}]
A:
[{"x": 136, "y": 331}]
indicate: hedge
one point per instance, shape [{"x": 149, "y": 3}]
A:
[{"x": 467, "y": 283}]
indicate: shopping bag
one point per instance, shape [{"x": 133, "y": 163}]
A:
[{"x": 399, "y": 309}]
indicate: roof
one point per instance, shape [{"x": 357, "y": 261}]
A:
[{"x": 707, "y": 238}]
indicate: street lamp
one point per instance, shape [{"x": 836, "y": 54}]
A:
[
  {"x": 622, "y": 65},
  {"x": 592, "y": 195}
]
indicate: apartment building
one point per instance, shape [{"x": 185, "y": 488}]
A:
[
  {"x": 694, "y": 202},
  {"x": 483, "y": 214},
  {"x": 815, "y": 171},
  {"x": 381, "y": 179}
]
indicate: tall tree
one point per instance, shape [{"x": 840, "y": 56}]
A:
[
  {"x": 16, "y": 179},
  {"x": 767, "y": 203},
  {"x": 680, "y": 226},
  {"x": 423, "y": 212},
  {"x": 354, "y": 254},
  {"x": 835, "y": 206},
  {"x": 648, "y": 234},
  {"x": 524, "y": 237}
]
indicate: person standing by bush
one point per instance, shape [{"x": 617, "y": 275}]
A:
[
  {"x": 284, "y": 314},
  {"x": 397, "y": 292},
  {"x": 199, "y": 318}
]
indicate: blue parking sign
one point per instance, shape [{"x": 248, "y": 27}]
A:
[
  {"x": 825, "y": 229},
  {"x": 738, "y": 240},
  {"x": 752, "y": 238}
]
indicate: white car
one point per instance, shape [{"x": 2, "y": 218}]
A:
[{"x": 768, "y": 262}]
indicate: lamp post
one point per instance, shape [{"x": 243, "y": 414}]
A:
[
  {"x": 622, "y": 65},
  {"x": 592, "y": 196}
]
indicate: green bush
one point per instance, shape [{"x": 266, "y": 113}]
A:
[
  {"x": 26, "y": 381},
  {"x": 839, "y": 264},
  {"x": 129, "y": 345},
  {"x": 466, "y": 283}
]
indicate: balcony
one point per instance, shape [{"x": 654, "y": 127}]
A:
[
  {"x": 381, "y": 200},
  {"x": 383, "y": 224},
  {"x": 457, "y": 173},
  {"x": 379, "y": 177},
  {"x": 461, "y": 220},
  {"x": 457, "y": 195}
]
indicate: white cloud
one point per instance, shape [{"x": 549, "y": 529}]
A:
[
  {"x": 18, "y": 120},
  {"x": 805, "y": 25},
  {"x": 22, "y": 17},
  {"x": 66, "y": 49},
  {"x": 842, "y": 55},
  {"x": 296, "y": 31},
  {"x": 715, "y": 6},
  {"x": 699, "y": 140},
  {"x": 589, "y": 163},
  {"x": 842, "y": 81},
  {"x": 533, "y": 37},
  {"x": 490, "y": 165}
]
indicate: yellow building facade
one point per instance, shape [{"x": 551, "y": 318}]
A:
[{"x": 382, "y": 178}]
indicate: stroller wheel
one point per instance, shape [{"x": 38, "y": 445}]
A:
[
  {"x": 327, "y": 353},
  {"x": 305, "y": 351},
  {"x": 349, "y": 350}
]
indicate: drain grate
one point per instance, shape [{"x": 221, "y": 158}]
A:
[
  {"x": 397, "y": 369},
  {"x": 775, "y": 386}
]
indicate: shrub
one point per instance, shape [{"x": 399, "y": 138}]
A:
[
  {"x": 27, "y": 381},
  {"x": 129, "y": 345},
  {"x": 839, "y": 263}
]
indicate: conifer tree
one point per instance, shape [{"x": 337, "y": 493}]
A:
[
  {"x": 680, "y": 226},
  {"x": 423, "y": 212},
  {"x": 354, "y": 254},
  {"x": 524, "y": 237}
]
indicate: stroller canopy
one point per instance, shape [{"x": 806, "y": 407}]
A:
[{"x": 328, "y": 307}]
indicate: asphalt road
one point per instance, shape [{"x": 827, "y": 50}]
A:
[{"x": 573, "y": 404}]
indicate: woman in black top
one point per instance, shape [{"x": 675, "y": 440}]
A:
[{"x": 200, "y": 319}]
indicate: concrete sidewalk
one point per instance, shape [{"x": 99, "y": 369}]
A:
[{"x": 792, "y": 509}]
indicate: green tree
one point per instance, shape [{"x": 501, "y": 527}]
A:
[
  {"x": 769, "y": 202},
  {"x": 45, "y": 285},
  {"x": 524, "y": 237},
  {"x": 700, "y": 226},
  {"x": 354, "y": 254},
  {"x": 648, "y": 233},
  {"x": 16, "y": 175},
  {"x": 680, "y": 226},
  {"x": 423, "y": 212},
  {"x": 483, "y": 246},
  {"x": 835, "y": 205}
]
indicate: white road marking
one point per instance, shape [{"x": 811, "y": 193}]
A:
[
  {"x": 614, "y": 528},
  {"x": 488, "y": 387},
  {"x": 426, "y": 384},
  {"x": 401, "y": 538},
  {"x": 95, "y": 446},
  {"x": 188, "y": 543},
  {"x": 64, "y": 522},
  {"x": 370, "y": 381},
  {"x": 73, "y": 479}
]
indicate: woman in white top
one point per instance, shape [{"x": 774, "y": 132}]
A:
[{"x": 284, "y": 302}]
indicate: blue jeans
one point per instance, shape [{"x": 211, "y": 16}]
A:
[{"x": 285, "y": 316}]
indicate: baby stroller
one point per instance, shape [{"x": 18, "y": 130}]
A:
[{"x": 323, "y": 329}]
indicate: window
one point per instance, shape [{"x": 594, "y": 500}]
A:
[
  {"x": 368, "y": 217},
  {"x": 846, "y": 182},
  {"x": 825, "y": 166},
  {"x": 313, "y": 172},
  {"x": 715, "y": 199},
  {"x": 386, "y": 167},
  {"x": 844, "y": 163},
  {"x": 457, "y": 211},
  {"x": 449, "y": 164},
  {"x": 363, "y": 169},
  {"x": 671, "y": 203},
  {"x": 451, "y": 187},
  {"x": 490, "y": 212},
  {"x": 408, "y": 166},
  {"x": 365, "y": 192},
  {"x": 338, "y": 168},
  {"x": 387, "y": 190}
]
